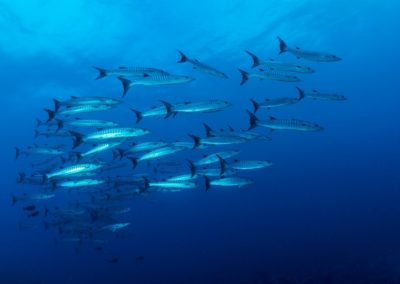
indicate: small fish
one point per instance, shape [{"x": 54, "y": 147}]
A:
[
  {"x": 154, "y": 80},
  {"x": 316, "y": 95},
  {"x": 157, "y": 153},
  {"x": 115, "y": 227},
  {"x": 37, "y": 151},
  {"x": 217, "y": 140},
  {"x": 141, "y": 147},
  {"x": 309, "y": 55},
  {"x": 106, "y": 134},
  {"x": 192, "y": 107},
  {"x": 90, "y": 123},
  {"x": 169, "y": 184},
  {"x": 80, "y": 183},
  {"x": 201, "y": 66},
  {"x": 279, "y": 66},
  {"x": 123, "y": 71},
  {"x": 31, "y": 197},
  {"x": 153, "y": 112},
  {"x": 272, "y": 75},
  {"x": 72, "y": 170},
  {"x": 74, "y": 110},
  {"x": 243, "y": 164},
  {"x": 227, "y": 182},
  {"x": 283, "y": 124},
  {"x": 271, "y": 103},
  {"x": 98, "y": 149},
  {"x": 81, "y": 101},
  {"x": 29, "y": 208},
  {"x": 213, "y": 158}
]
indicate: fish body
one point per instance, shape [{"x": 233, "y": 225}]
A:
[
  {"x": 107, "y": 134},
  {"x": 38, "y": 151},
  {"x": 272, "y": 103},
  {"x": 306, "y": 54},
  {"x": 284, "y": 124},
  {"x": 71, "y": 170},
  {"x": 92, "y": 123},
  {"x": 81, "y": 101},
  {"x": 201, "y": 66},
  {"x": 153, "y": 112},
  {"x": 145, "y": 146},
  {"x": 173, "y": 184},
  {"x": 271, "y": 75},
  {"x": 316, "y": 95},
  {"x": 200, "y": 106},
  {"x": 154, "y": 80},
  {"x": 128, "y": 72},
  {"x": 99, "y": 148},
  {"x": 228, "y": 182},
  {"x": 217, "y": 140},
  {"x": 213, "y": 158},
  {"x": 115, "y": 227},
  {"x": 81, "y": 183},
  {"x": 160, "y": 152},
  {"x": 275, "y": 65},
  {"x": 32, "y": 197}
]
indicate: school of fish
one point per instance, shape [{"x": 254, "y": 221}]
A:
[{"x": 80, "y": 160}]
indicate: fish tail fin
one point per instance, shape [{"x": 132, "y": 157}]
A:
[
  {"x": 256, "y": 60},
  {"x": 17, "y": 152},
  {"x": 196, "y": 141},
  {"x": 282, "y": 45},
  {"x": 102, "y": 72},
  {"x": 78, "y": 138},
  {"x": 192, "y": 168},
  {"x": 21, "y": 177},
  {"x": 57, "y": 105},
  {"x": 168, "y": 108},
  {"x": 60, "y": 124},
  {"x": 183, "y": 57},
  {"x": 256, "y": 105},
  {"x": 125, "y": 85},
  {"x": 207, "y": 183},
  {"x": 222, "y": 164},
  {"x": 13, "y": 199},
  {"x": 138, "y": 114},
  {"x": 245, "y": 76},
  {"x": 253, "y": 119},
  {"x": 77, "y": 155},
  {"x": 134, "y": 162},
  {"x": 146, "y": 183},
  {"x": 209, "y": 130},
  {"x": 36, "y": 133},
  {"x": 38, "y": 122},
  {"x": 50, "y": 113},
  {"x": 301, "y": 93},
  {"x": 120, "y": 153}
]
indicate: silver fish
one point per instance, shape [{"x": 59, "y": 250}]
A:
[
  {"x": 305, "y": 54},
  {"x": 154, "y": 80},
  {"x": 278, "y": 65},
  {"x": 271, "y": 103},
  {"x": 37, "y": 151},
  {"x": 80, "y": 101},
  {"x": 316, "y": 95},
  {"x": 272, "y": 75},
  {"x": 128, "y": 72},
  {"x": 243, "y": 164},
  {"x": 227, "y": 182},
  {"x": 71, "y": 170},
  {"x": 106, "y": 134},
  {"x": 213, "y": 158},
  {"x": 201, "y": 66},
  {"x": 283, "y": 124}
]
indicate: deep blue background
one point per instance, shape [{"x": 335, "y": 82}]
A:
[{"x": 329, "y": 207}]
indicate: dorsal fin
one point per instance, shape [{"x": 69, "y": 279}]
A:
[
  {"x": 186, "y": 103},
  {"x": 122, "y": 67},
  {"x": 298, "y": 48},
  {"x": 272, "y": 118},
  {"x": 271, "y": 59},
  {"x": 74, "y": 97},
  {"x": 146, "y": 75},
  {"x": 314, "y": 91}
]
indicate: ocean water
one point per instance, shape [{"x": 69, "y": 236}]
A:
[{"x": 326, "y": 212}]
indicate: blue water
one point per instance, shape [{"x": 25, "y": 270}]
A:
[{"x": 326, "y": 212}]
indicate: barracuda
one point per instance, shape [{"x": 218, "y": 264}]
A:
[
  {"x": 272, "y": 75},
  {"x": 106, "y": 134},
  {"x": 271, "y": 103},
  {"x": 278, "y": 65},
  {"x": 305, "y": 54},
  {"x": 201, "y": 66}
]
